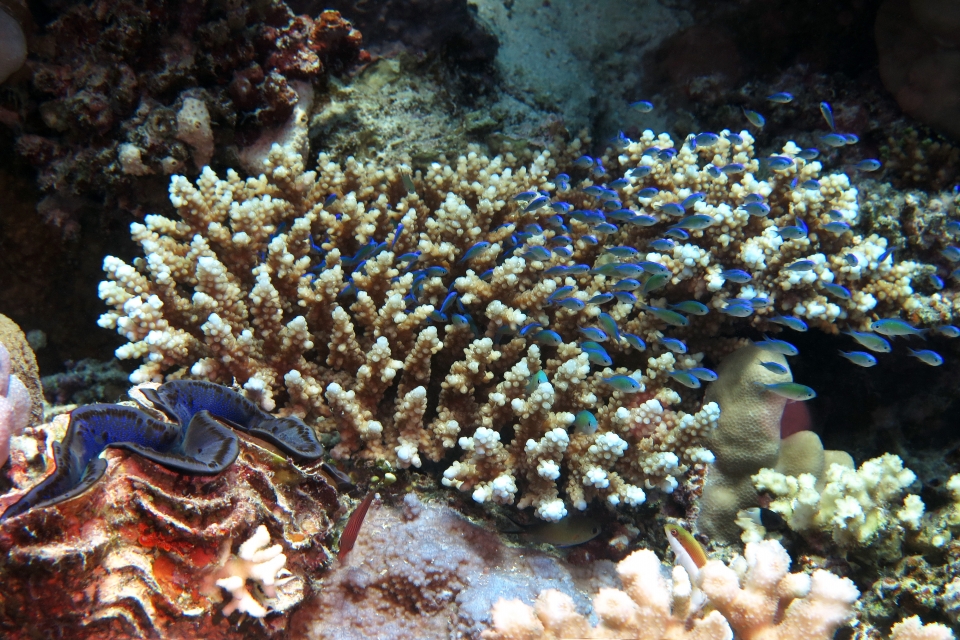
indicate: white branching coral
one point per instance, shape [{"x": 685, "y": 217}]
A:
[
  {"x": 258, "y": 562},
  {"x": 408, "y": 310},
  {"x": 755, "y": 598},
  {"x": 857, "y": 507}
]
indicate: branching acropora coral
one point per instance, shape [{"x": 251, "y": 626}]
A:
[{"x": 493, "y": 306}]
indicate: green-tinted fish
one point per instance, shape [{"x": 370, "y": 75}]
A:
[
  {"x": 626, "y": 384},
  {"x": 597, "y": 356},
  {"x": 677, "y": 346},
  {"x": 859, "y": 358},
  {"x": 569, "y": 531},
  {"x": 790, "y": 390},
  {"x": 927, "y": 356},
  {"x": 702, "y": 373},
  {"x": 695, "y": 222},
  {"x": 774, "y": 367},
  {"x": 535, "y": 381},
  {"x": 655, "y": 282},
  {"x": 692, "y": 307},
  {"x": 592, "y": 333},
  {"x": 548, "y": 338},
  {"x": 408, "y": 183},
  {"x": 800, "y": 265},
  {"x": 609, "y": 325},
  {"x": 772, "y": 345},
  {"x": 754, "y": 118},
  {"x": 585, "y": 422},
  {"x": 628, "y": 284},
  {"x": 895, "y": 327},
  {"x": 685, "y": 378},
  {"x": 668, "y": 316},
  {"x": 790, "y": 321},
  {"x": 870, "y": 341}
]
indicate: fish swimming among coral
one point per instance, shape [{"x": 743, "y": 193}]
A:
[
  {"x": 895, "y": 327},
  {"x": 870, "y": 341},
  {"x": 350, "y": 532},
  {"x": 927, "y": 356},
  {"x": 754, "y": 118},
  {"x": 685, "y": 378},
  {"x": 773, "y": 345},
  {"x": 790, "y": 390},
  {"x": 860, "y": 358},
  {"x": 625, "y": 384},
  {"x": 774, "y": 367}
]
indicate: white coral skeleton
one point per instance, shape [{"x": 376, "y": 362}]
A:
[{"x": 254, "y": 562}]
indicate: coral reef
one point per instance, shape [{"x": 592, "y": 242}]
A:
[
  {"x": 398, "y": 107},
  {"x": 557, "y": 57},
  {"x": 422, "y": 570},
  {"x": 306, "y": 287},
  {"x": 123, "y": 91},
  {"x": 748, "y": 438},
  {"x": 856, "y": 507},
  {"x": 85, "y": 382},
  {"x": 140, "y": 552},
  {"x": 265, "y": 566},
  {"x": 755, "y": 597},
  {"x": 14, "y": 404},
  {"x": 21, "y": 363}
]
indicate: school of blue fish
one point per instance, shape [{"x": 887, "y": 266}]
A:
[{"x": 550, "y": 229}]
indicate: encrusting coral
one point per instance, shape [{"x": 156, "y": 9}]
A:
[{"x": 421, "y": 311}]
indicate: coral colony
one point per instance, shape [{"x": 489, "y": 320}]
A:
[
  {"x": 529, "y": 292},
  {"x": 534, "y": 335}
]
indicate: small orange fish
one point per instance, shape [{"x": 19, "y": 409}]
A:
[{"x": 350, "y": 532}]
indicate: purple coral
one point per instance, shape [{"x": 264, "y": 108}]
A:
[{"x": 14, "y": 404}]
